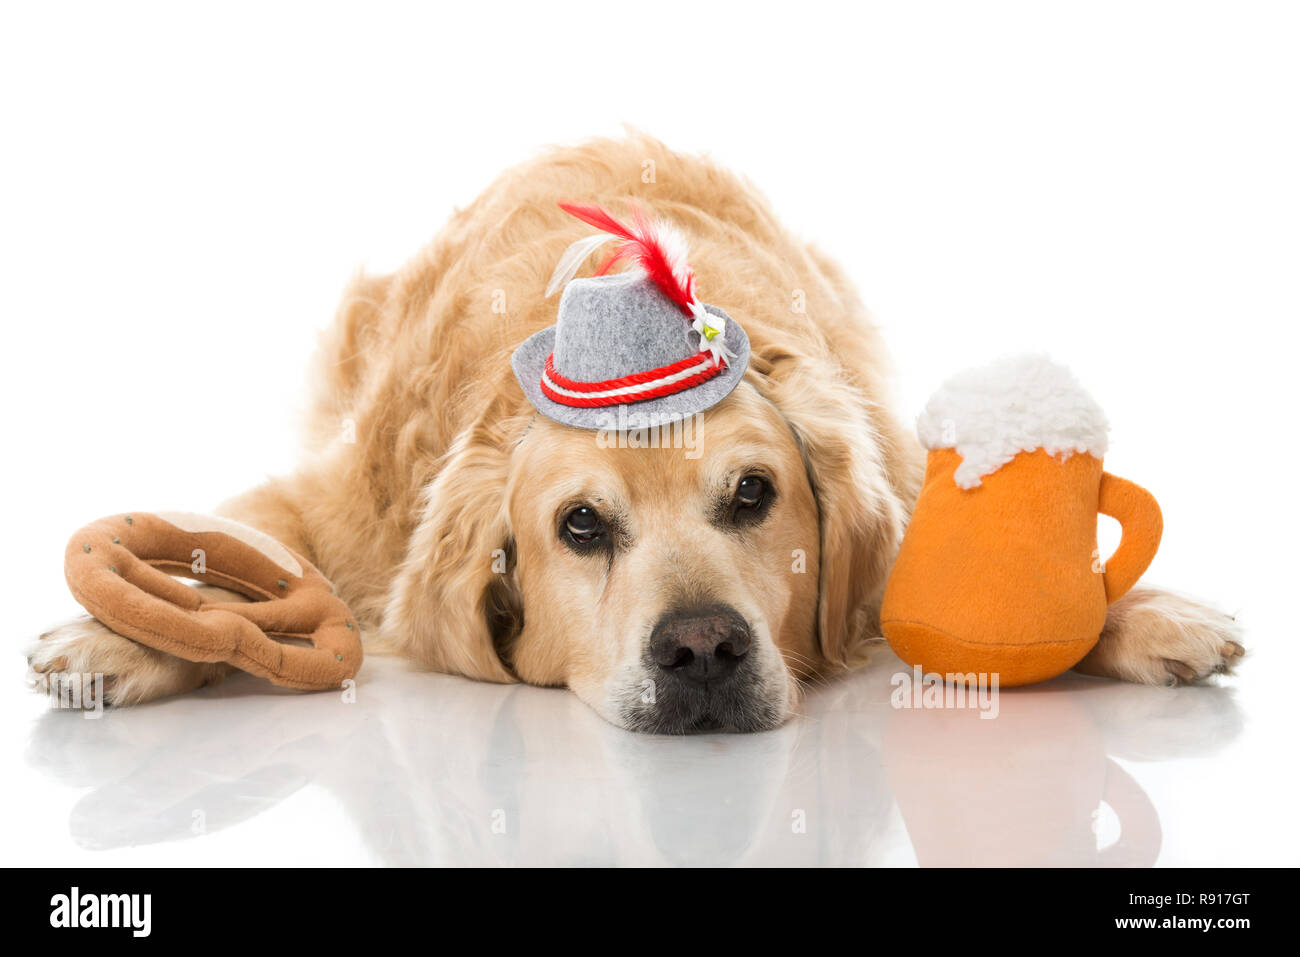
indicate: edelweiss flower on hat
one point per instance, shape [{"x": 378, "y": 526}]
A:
[{"x": 638, "y": 341}]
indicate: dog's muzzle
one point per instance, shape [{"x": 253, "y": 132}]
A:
[
  {"x": 705, "y": 675},
  {"x": 701, "y": 646}
]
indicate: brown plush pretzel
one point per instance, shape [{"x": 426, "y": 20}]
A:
[{"x": 120, "y": 569}]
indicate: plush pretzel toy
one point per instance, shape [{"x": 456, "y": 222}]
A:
[{"x": 120, "y": 569}]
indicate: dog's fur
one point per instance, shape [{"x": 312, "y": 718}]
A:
[{"x": 433, "y": 492}]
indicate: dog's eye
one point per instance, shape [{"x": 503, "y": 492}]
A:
[
  {"x": 752, "y": 495},
  {"x": 582, "y": 526},
  {"x": 749, "y": 494}
]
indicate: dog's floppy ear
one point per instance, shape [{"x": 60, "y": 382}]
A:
[
  {"x": 455, "y": 603},
  {"x": 863, "y": 475}
]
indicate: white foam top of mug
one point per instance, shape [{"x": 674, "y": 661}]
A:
[{"x": 1016, "y": 404}]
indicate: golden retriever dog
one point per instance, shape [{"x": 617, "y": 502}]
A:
[{"x": 479, "y": 538}]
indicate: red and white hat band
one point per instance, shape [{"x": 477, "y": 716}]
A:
[{"x": 637, "y": 387}]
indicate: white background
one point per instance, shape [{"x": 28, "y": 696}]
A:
[{"x": 186, "y": 191}]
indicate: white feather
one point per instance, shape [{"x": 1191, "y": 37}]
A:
[
  {"x": 573, "y": 259},
  {"x": 675, "y": 249}
]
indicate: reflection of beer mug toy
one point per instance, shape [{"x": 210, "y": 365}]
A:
[
  {"x": 1038, "y": 810},
  {"x": 999, "y": 571}
]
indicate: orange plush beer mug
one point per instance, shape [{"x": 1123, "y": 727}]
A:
[{"x": 999, "y": 571}]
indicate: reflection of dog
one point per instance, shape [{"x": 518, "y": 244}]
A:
[
  {"x": 454, "y": 521},
  {"x": 427, "y": 770}
]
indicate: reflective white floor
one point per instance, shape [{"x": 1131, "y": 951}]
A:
[{"x": 427, "y": 769}]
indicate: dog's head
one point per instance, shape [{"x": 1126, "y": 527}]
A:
[{"x": 689, "y": 585}]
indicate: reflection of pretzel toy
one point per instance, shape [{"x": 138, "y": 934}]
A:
[{"x": 120, "y": 569}]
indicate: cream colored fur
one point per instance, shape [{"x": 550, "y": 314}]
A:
[{"x": 427, "y": 469}]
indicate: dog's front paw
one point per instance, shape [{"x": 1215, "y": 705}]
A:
[
  {"x": 132, "y": 673},
  {"x": 1159, "y": 638}
]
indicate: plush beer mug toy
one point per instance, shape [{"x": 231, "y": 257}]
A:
[{"x": 999, "y": 572}]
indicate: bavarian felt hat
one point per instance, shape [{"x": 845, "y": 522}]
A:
[{"x": 634, "y": 349}]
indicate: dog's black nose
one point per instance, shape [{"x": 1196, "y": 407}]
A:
[{"x": 700, "y": 644}]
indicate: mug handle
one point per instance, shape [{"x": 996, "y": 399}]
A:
[
  {"x": 1140, "y": 522},
  {"x": 1139, "y": 824}
]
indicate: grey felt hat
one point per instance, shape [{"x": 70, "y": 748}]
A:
[{"x": 616, "y": 327}]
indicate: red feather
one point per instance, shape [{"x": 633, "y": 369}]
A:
[{"x": 643, "y": 244}]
